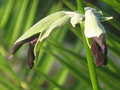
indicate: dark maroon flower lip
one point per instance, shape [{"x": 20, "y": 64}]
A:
[
  {"x": 32, "y": 41},
  {"x": 99, "y": 50},
  {"x": 31, "y": 56}
]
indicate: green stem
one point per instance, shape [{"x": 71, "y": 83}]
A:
[{"x": 91, "y": 66}]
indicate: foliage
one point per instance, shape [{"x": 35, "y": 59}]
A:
[{"x": 61, "y": 63}]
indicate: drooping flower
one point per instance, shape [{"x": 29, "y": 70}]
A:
[
  {"x": 95, "y": 30},
  {"x": 41, "y": 30}
]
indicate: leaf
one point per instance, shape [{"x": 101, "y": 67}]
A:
[{"x": 50, "y": 80}]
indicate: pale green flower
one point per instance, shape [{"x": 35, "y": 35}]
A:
[
  {"x": 43, "y": 28},
  {"x": 94, "y": 30}
]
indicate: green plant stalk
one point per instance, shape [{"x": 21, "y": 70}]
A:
[
  {"x": 73, "y": 69},
  {"x": 101, "y": 71},
  {"x": 71, "y": 62},
  {"x": 91, "y": 66},
  {"x": 111, "y": 65}
]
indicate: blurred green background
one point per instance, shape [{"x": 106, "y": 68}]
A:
[{"x": 61, "y": 64}]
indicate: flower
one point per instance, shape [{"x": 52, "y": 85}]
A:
[
  {"x": 95, "y": 30},
  {"x": 41, "y": 30}
]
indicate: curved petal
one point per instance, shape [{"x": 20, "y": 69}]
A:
[{"x": 41, "y": 26}]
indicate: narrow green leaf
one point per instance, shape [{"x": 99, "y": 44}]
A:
[
  {"x": 50, "y": 80},
  {"x": 18, "y": 23},
  {"x": 7, "y": 12}
]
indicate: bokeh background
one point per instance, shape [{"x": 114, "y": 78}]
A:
[{"x": 61, "y": 63}]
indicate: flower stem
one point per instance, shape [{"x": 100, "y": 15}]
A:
[{"x": 91, "y": 66}]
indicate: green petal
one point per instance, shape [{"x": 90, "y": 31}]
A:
[
  {"x": 60, "y": 22},
  {"x": 41, "y": 26}
]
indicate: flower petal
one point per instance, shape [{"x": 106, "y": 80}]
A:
[
  {"x": 42, "y": 25},
  {"x": 98, "y": 56},
  {"x": 31, "y": 56},
  {"x": 19, "y": 44},
  {"x": 100, "y": 40},
  {"x": 15, "y": 48},
  {"x": 93, "y": 27},
  {"x": 99, "y": 51}
]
